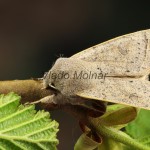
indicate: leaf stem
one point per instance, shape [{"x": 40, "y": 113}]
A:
[{"x": 120, "y": 137}]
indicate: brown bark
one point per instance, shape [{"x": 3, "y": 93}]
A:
[{"x": 29, "y": 90}]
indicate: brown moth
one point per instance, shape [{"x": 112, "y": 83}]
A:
[{"x": 115, "y": 71}]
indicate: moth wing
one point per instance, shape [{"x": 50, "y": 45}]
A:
[
  {"x": 130, "y": 53},
  {"x": 133, "y": 92}
]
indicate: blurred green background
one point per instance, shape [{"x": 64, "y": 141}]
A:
[{"x": 33, "y": 34}]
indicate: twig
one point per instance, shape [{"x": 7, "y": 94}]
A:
[{"x": 29, "y": 90}]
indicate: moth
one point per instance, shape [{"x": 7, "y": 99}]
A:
[{"x": 115, "y": 71}]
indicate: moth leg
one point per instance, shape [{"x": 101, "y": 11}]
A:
[{"x": 47, "y": 99}]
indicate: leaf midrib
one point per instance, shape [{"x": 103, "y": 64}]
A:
[
  {"x": 19, "y": 138},
  {"x": 9, "y": 102},
  {"x": 23, "y": 124},
  {"x": 16, "y": 113}
]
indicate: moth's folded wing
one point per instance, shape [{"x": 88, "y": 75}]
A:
[
  {"x": 133, "y": 92},
  {"x": 132, "y": 50}
]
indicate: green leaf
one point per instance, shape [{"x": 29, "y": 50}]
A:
[
  {"x": 140, "y": 127},
  {"x": 22, "y": 128},
  {"x": 119, "y": 116},
  {"x": 145, "y": 140}
]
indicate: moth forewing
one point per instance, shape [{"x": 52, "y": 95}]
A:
[
  {"x": 133, "y": 92},
  {"x": 131, "y": 53},
  {"x": 126, "y": 61}
]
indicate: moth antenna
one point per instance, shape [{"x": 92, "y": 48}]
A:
[{"x": 60, "y": 55}]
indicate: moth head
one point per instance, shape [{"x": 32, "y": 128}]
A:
[
  {"x": 62, "y": 76},
  {"x": 58, "y": 74}
]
